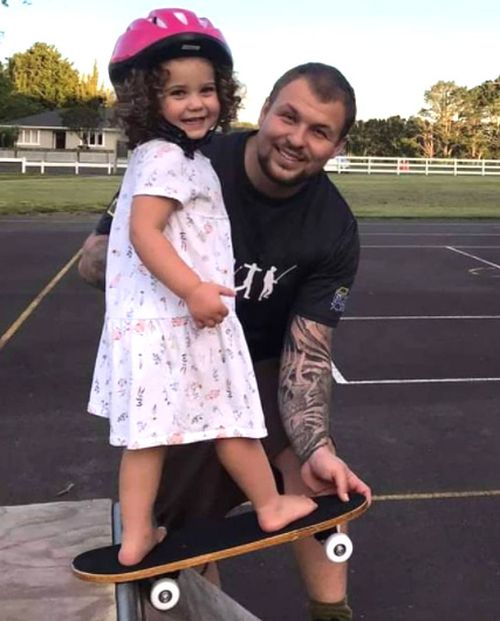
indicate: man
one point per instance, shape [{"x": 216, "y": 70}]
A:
[{"x": 296, "y": 250}]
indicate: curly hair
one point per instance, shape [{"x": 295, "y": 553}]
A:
[{"x": 138, "y": 101}]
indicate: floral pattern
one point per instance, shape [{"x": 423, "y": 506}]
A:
[{"x": 158, "y": 378}]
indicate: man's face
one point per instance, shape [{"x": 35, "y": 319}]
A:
[{"x": 297, "y": 135}]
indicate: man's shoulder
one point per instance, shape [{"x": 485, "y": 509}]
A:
[
  {"x": 221, "y": 144},
  {"x": 327, "y": 198}
]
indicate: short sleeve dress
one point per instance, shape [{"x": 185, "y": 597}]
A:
[{"x": 158, "y": 378}]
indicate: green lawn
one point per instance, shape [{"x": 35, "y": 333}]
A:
[
  {"x": 369, "y": 196},
  {"x": 25, "y": 194},
  {"x": 421, "y": 197}
]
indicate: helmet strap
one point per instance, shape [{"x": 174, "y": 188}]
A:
[{"x": 170, "y": 132}]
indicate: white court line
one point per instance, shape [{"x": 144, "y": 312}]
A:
[
  {"x": 427, "y": 246},
  {"x": 337, "y": 375},
  {"x": 432, "y": 224},
  {"x": 418, "y": 317},
  {"x": 455, "y": 234},
  {"x": 340, "y": 379},
  {"x": 471, "y": 256}
]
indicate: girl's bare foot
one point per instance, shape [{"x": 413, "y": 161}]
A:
[
  {"x": 134, "y": 549},
  {"x": 282, "y": 510}
]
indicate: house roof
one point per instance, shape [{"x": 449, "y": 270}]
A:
[{"x": 53, "y": 118}]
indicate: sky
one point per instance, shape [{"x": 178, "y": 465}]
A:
[{"x": 390, "y": 51}]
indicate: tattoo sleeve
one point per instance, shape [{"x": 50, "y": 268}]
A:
[
  {"x": 92, "y": 265},
  {"x": 305, "y": 385}
]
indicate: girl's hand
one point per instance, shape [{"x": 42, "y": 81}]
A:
[{"x": 205, "y": 305}]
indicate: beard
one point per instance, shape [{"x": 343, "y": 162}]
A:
[{"x": 287, "y": 182}]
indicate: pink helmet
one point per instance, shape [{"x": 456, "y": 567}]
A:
[{"x": 164, "y": 34}]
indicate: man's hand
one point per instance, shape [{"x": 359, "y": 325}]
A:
[
  {"x": 205, "y": 304},
  {"x": 324, "y": 472}
]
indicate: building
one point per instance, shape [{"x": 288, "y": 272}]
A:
[{"x": 44, "y": 136}]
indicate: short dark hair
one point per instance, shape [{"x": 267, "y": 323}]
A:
[
  {"x": 327, "y": 83},
  {"x": 138, "y": 101}
]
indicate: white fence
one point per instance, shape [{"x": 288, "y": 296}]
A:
[
  {"x": 412, "y": 166},
  {"x": 22, "y": 165},
  {"x": 340, "y": 164}
]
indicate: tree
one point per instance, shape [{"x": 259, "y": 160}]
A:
[
  {"x": 483, "y": 116},
  {"x": 84, "y": 118},
  {"x": 14, "y": 105},
  {"x": 42, "y": 74},
  {"x": 445, "y": 105},
  {"x": 392, "y": 137},
  {"x": 241, "y": 126},
  {"x": 8, "y": 137},
  {"x": 89, "y": 87},
  {"x": 425, "y": 137}
]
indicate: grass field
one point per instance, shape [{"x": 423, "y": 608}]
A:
[
  {"x": 421, "y": 197},
  {"x": 369, "y": 196}
]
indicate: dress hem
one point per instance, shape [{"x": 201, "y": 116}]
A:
[{"x": 179, "y": 438}]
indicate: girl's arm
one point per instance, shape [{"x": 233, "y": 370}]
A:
[{"x": 148, "y": 219}]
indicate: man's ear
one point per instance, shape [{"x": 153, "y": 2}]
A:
[{"x": 264, "y": 110}]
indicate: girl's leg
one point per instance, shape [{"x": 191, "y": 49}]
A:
[
  {"x": 140, "y": 472},
  {"x": 247, "y": 463}
]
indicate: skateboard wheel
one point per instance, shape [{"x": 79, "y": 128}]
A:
[
  {"x": 164, "y": 594},
  {"x": 338, "y": 548}
]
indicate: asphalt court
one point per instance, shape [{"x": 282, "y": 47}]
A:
[{"x": 417, "y": 397}]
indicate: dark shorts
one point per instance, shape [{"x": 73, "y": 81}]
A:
[{"x": 195, "y": 485}]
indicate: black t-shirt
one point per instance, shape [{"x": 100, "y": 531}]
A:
[{"x": 292, "y": 256}]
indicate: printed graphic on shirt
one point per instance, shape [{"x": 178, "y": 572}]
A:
[
  {"x": 339, "y": 300},
  {"x": 257, "y": 283}
]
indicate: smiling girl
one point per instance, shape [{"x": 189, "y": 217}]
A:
[{"x": 173, "y": 366}]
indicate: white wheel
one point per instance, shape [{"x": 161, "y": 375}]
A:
[
  {"x": 338, "y": 548},
  {"x": 164, "y": 594}
]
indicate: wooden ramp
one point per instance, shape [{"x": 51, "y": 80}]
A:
[
  {"x": 200, "y": 601},
  {"x": 37, "y": 544}
]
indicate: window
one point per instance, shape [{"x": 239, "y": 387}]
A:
[
  {"x": 93, "y": 139},
  {"x": 29, "y": 136}
]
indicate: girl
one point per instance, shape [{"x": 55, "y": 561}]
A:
[{"x": 173, "y": 366}]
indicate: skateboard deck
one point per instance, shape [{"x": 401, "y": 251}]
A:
[{"x": 213, "y": 539}]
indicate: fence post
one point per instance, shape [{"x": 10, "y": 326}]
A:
[
  {"x": 455, "y": 167},
  {"x": 23, "y": 165}
]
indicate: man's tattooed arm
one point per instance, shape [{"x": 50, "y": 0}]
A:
[
  {"x": 92, "y": 265},
  {"x": 306, "y": 385}
]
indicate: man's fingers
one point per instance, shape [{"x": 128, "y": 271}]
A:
[
  {"x": 341, "y": 482},
  {"x": 357, "y": 485}
]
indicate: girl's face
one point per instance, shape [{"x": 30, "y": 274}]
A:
[{"x": 190, "y": 99}]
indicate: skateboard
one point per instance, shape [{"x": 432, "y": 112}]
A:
[{"x": 208, "y": 540}]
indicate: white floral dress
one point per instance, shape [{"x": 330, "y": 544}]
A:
[{"x": 158, "y": 378}]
